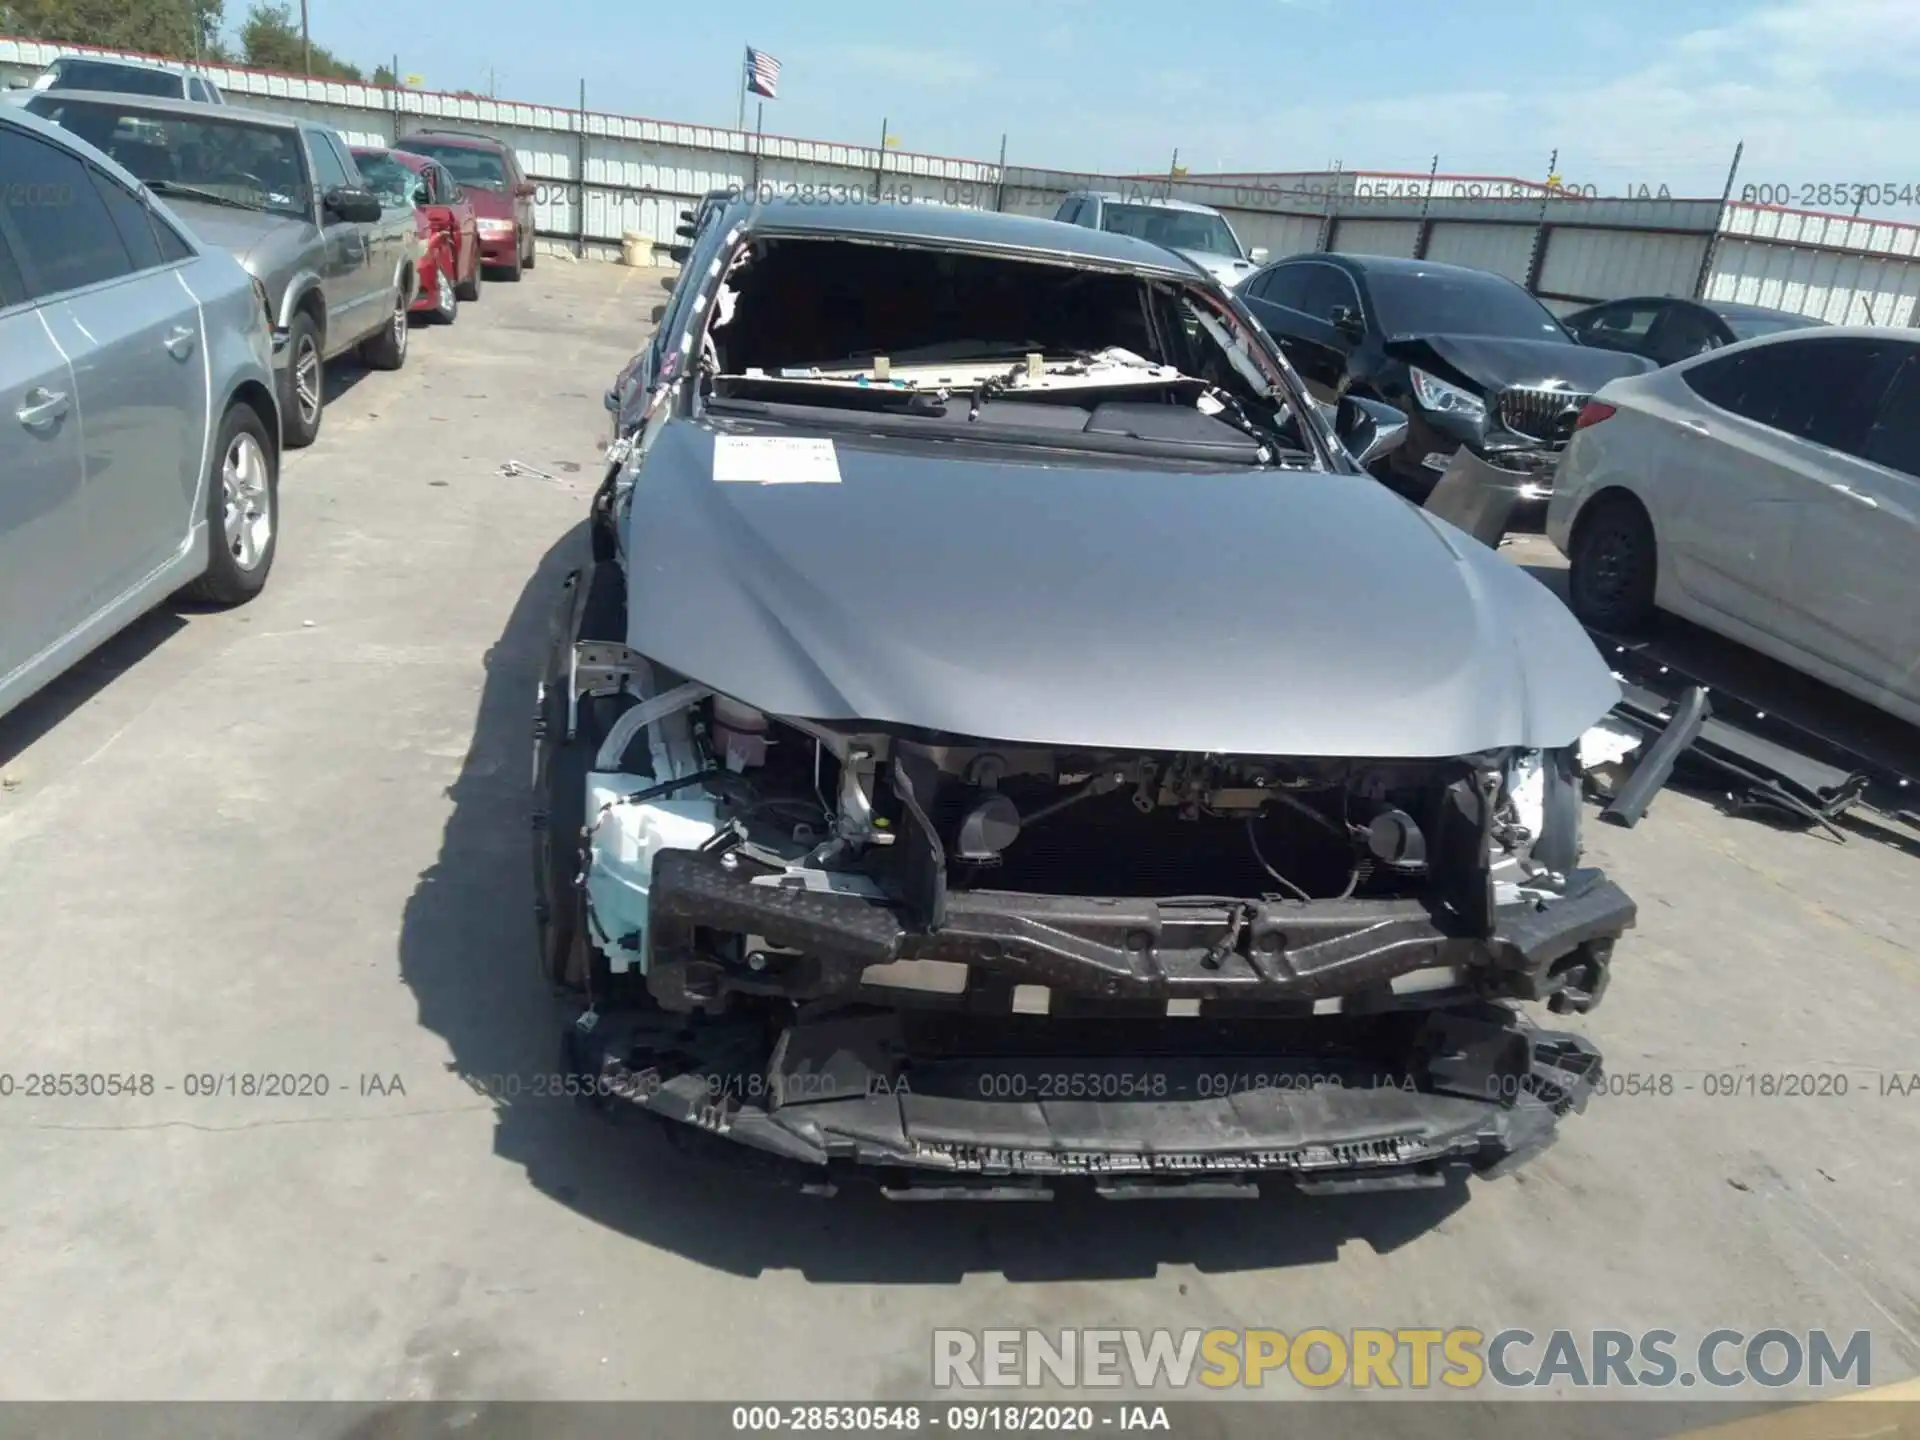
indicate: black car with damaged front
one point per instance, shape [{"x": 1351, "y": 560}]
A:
[
  {"x": 1004, "y": 739},
  {"x": 1473, "y": 359}
]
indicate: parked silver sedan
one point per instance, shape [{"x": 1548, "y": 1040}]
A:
[{"x": 139, "y": 435}]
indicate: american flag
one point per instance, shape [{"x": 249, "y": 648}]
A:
[{"x": 763, "y": 73}]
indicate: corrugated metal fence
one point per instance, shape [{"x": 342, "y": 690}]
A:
[{"x": 604, "y": 176}]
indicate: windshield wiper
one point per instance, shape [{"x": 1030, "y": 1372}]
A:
[{"x": 194, "y": 192}]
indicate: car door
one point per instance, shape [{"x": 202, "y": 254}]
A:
[
  {"x": 1296, "y": 305},
  {"x": 131, "y": 332},
  {"x": 1871, "y": 515},
  {"x": 466, "y": 233},
  {"x": 348, "y": 270},
  {"x": 46, "y": 574},
  {"x": 1747, "y": 476}
]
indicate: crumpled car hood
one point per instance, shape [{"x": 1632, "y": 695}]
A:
[
  {"x": 1490, "y": 363},
  {"x": 1024, "y": 595}
]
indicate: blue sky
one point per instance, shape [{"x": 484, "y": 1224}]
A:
[{"x": 1630, "y": 92}]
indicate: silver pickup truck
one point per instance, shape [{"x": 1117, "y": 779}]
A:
[{"x": 337, "y": 272}]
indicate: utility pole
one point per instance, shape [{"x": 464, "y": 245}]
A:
[
  {"x": 1000, "y": 177},
  {"x": 880, "y": 161},
  {"x": 306, "y": 44}
]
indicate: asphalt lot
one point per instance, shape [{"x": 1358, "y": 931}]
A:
[{"x": 293, "y": 840}]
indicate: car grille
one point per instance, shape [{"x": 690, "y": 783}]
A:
[{"x": 1543, "y": 413}]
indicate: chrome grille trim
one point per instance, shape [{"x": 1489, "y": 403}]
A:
[{"x": 1541, "y": 413}]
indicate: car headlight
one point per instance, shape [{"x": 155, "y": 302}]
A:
[{"x": 1437, "y": 395}]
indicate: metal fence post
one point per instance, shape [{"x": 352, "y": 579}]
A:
[
  {"x": 1329, "y": 220},
  {"x": 580, "y": 215},
  {"x": 1719, "y": 219},
  {"x": 1000, "y": 176}
]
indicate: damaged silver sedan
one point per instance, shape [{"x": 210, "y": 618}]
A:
[{"x": 1005, "y": 739}]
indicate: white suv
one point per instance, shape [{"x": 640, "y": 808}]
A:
[{"x": 1198, "y": 232}]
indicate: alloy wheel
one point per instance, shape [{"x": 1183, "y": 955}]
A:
[
  {"x": 247, "y": 502},
  {"x": 306, "y": 381}
]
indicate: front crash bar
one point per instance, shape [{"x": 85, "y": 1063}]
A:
[{"x": 1120, "y": 948}]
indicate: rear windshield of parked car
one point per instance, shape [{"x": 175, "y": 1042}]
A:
[
  {"x": 1415, "y": 302},
  {"x": 257, "y": 166},
  {"x": 1175, "y": 229},
  {"x": 393, "y": 182},
  {"x": 103, "y": 75},
  {"x": 470, "y": 166}
]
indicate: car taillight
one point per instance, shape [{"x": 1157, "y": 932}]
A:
[{"x": 1592, "y": 413}]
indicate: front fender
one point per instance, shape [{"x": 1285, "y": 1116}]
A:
[{"x": 299, "y": 286}]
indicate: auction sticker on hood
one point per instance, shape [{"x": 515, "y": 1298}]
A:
[{"x": 774, "y": 460}]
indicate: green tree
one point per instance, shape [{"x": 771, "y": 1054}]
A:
[
  {"x": 383, "y": 75},
  {"x": 182, "y": 28},
  {"x": 270, "y": 40}
]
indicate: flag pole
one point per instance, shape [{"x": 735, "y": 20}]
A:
[{"x": 741, "y": 123}]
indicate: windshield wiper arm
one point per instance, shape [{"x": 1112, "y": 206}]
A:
[{"x": 194, "y": 192}]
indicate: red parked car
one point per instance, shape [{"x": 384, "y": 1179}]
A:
[
  {"x": 502, "y": 196},
  {"x": 443, "y": 217}
]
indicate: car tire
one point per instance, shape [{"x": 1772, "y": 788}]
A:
[
  {"x": 511, "y": 273},
  {"x": 387, "y": 350},
  {"x": 1612, "y": 565},
  {"x": 302, "y": 402},
  {"x": 243, "y": 511},
  {"x": 469, "y": 289},
  {"x": 446, "y": 299}
]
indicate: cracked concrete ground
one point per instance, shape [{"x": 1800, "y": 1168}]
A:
[{"x": 292, "y": 841}]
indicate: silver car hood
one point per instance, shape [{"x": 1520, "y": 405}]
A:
[
  {"x": 1011, "y": 595},
  {"x": 244, "y": 234}
]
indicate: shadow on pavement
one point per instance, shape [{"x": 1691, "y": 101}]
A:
[
  {"x": 49, "y": 707},
  {"x": 467, "y": 952}
]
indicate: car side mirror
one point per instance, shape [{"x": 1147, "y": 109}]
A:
[
  {"x": 1258, "y": 255},
  {"x": 356, "y": 207},
  {"x": 1347, "y": 322},
  {"x": 526, "y": 189},
  {"x": 1369, "y": 429}
]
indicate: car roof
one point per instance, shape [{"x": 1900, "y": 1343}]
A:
[
  {"x": 963, "y": 228},
  {"x": 465, "y": 139},
  {"x": 167, "y": 105},
  {"x": 1735, "y": 310},
  {"x": 1399, "y": 265},
  {"x": 1158, "y": 202},
  {"x": 125, "y": 63}
]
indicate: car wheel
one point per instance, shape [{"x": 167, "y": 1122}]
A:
[
  {"x": 304, "y": 393},
  {"x": 446, "y": 301},
  {"x": 469, "y": 289},
  {"x": 1612, "y": 565},
  {"x": 388, "y": 349},
  {"x": 243, "y": 511},
  {"x": 512, "y": 272}
]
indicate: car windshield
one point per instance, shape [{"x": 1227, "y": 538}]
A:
[
  {"x": 104, "y": 75},
  {"x": 259, "y": 166},
  {"x": 470, "y": 166},
  {"x": 1437, "y": 302},
  {"x": 393, "y": 182},
  {"x": 1175, "y": 229},
  {"x": 1746, "y": 327}
]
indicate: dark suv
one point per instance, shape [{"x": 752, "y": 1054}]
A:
[{"x": 502, "y": 196}]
